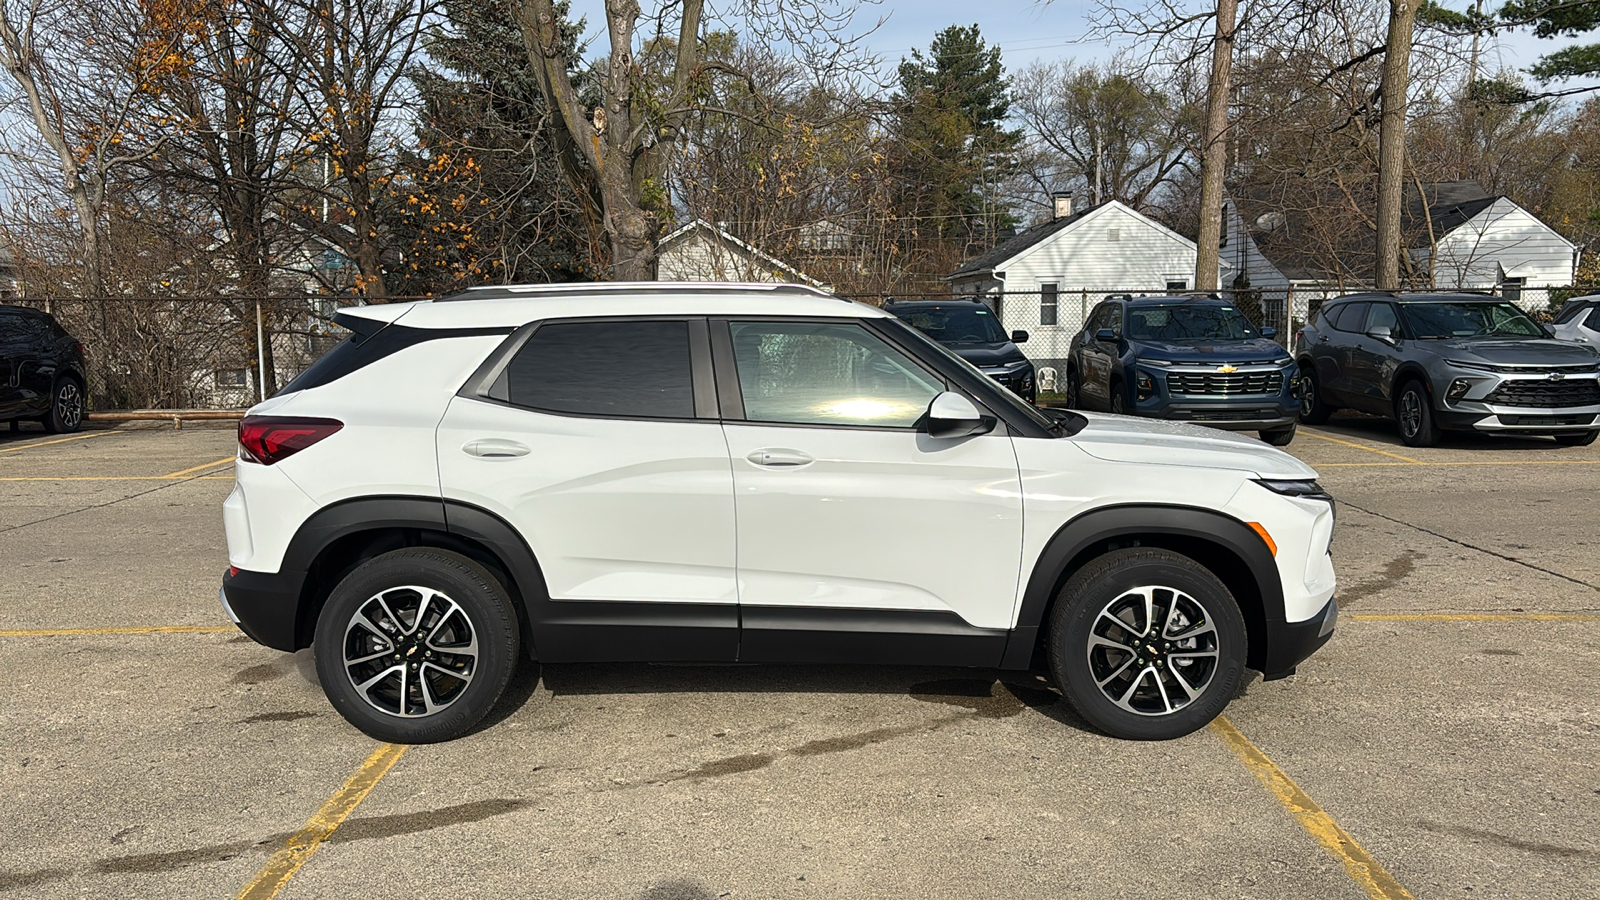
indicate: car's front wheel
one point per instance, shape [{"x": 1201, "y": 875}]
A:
[
  {"x": 66, "y": 406},
  {"x": 1313, "y": 411},
  {"x": 415, "y": 646},
  {"x": 1414, "y": 412},
  {"x": 1279, "y": 437},
  {"x": 1146, "y": 644}
]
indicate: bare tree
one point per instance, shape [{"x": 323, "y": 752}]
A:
[
  {"x": 613, "y": 153},
  {"x": 1214, "y": 148},
  {"x": 1392, "y": 142},
  {"x": 80, "y": 72}
]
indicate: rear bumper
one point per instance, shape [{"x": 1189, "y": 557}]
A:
[
  {"x": 265, "y": 606},
  {"x": 1289, "y": 643}
]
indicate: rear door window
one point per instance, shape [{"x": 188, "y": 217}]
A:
[{"x": 622, "y": 369}]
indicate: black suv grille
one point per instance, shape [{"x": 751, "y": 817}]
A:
[
  {"x": 1218, "y": 383},
  {"x": 1547, "y": 394}
]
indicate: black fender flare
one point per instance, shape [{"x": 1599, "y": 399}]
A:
[
  {"x": 1133, "y": 521},
  {"x": 462, "y": 520}
]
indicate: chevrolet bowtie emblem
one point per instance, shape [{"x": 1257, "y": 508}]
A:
[
  {"x": 1227, "y": 369},
  {"x": 1556, "y": 376}
]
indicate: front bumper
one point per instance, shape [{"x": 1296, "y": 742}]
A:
[
  {"x": 1289, "y": 643},
  {"x": 1542, "y": 401},
  {"x": 265, "y": 606},
  {"x": 1232, "y": 400},
  {"x": 1019, "y": 381}
]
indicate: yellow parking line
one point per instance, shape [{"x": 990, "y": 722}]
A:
[
  {"x": 139, "y": 629},
  {"x": 1473, "y": 617},
  {"x": 81, "y": 437},
  {"x": 111, "y": 478},
  {"x": 300, "y": 845},
  {"x": 1335, "y": 440},
  {"x": 1358, "y": 863},
  {"x": 225, "y": 459},
  {"x": 1492, "y": 462}
]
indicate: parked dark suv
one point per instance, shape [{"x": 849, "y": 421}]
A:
[
  {"x": 1193, "y": 359},
  {"x": 41, "y": 371},
  {"x": 973, "y": 332},
  {"x": 1466, "y": 362}
]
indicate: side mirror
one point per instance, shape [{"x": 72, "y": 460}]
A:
[
  {"x": 1269, "y": 332},
  {"x": 951, "y": 415},
  {"x": 1105, "y": 334},
  {"x": 1018, "y": 337},
  {"x": 1381, "y": 333}
]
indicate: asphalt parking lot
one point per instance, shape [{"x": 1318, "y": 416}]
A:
[{"x": 1445, "y": 744}]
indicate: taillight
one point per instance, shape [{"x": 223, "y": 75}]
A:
[
  {"x": 78, "y": 346},
  {"x": 270, "y": 439}
]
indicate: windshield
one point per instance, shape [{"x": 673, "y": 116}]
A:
[
  {"x": 1188, "y": 323},
  {"x": 965, "y": 324},
  {"x": 1432, "y": 321}
]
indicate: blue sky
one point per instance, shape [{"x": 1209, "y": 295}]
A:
[{"x": 1027, "y": 30}]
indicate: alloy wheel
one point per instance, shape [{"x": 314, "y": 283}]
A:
[
  {"x": 69, "y": 405},
  {"x": 1308, "y": 397},
  {"x": 1153, "y": 650},
  {"x": 1410, "y": 413},
  {"x": 410, "y": 651}
]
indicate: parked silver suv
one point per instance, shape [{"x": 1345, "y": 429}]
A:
[{"x": 1467, "y": 362}]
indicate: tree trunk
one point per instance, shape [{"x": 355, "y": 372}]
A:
[
  {"x": 1392, "y": 142},
  {"x": 1214, "y": 149}
]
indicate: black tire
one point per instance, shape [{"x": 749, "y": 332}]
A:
[
  {"x": 1279, "y": 437},
  {"x": 1313, "y": 411},
  {"x": 1074, "y": 388},
  {"x": 1151, "y": 708},
  {"x": 395, "y": 708},
  {"x": 1413, "y": 412},
  {"x": 66, "y": 406},
  {"x": 1582, "y": 439},
  {"x": 1119, "y": 398}
]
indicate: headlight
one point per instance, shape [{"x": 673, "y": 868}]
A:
[
  {"x": 1282, "y": 361},
  {"x": 1307, "y": 488},
  {"x": 1159, "y": 363},
  {"x": 1458, "y": 389},
  {"x": 1482, "y": 367}
]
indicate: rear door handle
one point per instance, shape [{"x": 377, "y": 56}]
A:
[
  {"x": 779, "y": 458},
  {"x": 494, "y": 448}
]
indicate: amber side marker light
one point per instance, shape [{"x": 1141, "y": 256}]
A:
[{"x": 1271, "y": 544}]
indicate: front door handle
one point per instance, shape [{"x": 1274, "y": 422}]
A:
[
  {"x": 779, "y": 458},
  {"x": 494, "y": 448}
]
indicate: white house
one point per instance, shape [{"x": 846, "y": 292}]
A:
[
  {"x": 1045, "y": 279},
  {"x": 1458, "y": 236},
  {"x": 700, "y": 251}
]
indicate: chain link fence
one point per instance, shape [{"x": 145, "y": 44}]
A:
[
  {"x": 227, "y": 352},
  {"x": 194, "y": 352}
]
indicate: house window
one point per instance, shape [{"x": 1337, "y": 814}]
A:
[
  {"x": 233, "y": 378},
  {"x": 1511, "y": 288},
  {"x": 1177, "y": 285},
  {"x": 1048, "y": 304}
]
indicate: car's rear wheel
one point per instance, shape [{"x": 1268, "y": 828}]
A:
[
  {"x": 1279, "y": 437},
  {"x": 66, "y": 406},
  {"x": 1582, "y": 439},
  {"x": 415, "y": 646},
  {"x": 1313, "y": 411},
  {"x": 1146, "y": 644},
  {"x": 1074, "y": 388},
  {"x": 1413, "y": 410}
]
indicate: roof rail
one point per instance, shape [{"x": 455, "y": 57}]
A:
[{"x": 593, "y": 288}]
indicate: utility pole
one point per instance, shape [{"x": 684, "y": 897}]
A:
[{"x": 1214, "y": 150}]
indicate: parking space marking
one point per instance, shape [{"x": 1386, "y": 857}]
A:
[
  {"x": 1474, "y": 617},
  {"x": 81, "y": 437},
  {"x": 133, "y": 629},
  {"x": 113, "y": 478},
  {"x": 210, "y": 465},
  {"x": 1491, "y": 462},
  {"x": 1358, "y": 863},
  {"x": 300, "y": 845},
  {"x": 1308, "y": 432}
]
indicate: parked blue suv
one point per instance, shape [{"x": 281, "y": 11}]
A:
[{"x": 1192, "y": 359}]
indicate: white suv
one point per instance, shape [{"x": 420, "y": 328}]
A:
[{"x": 746, "y": 473}]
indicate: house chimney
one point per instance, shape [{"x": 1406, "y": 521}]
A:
[{"x": 1062, "y": 203}]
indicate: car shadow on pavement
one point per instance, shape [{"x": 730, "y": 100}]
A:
[
  {"x": 977, "y": 693},
  {"x": 1379, "y": 430}
]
